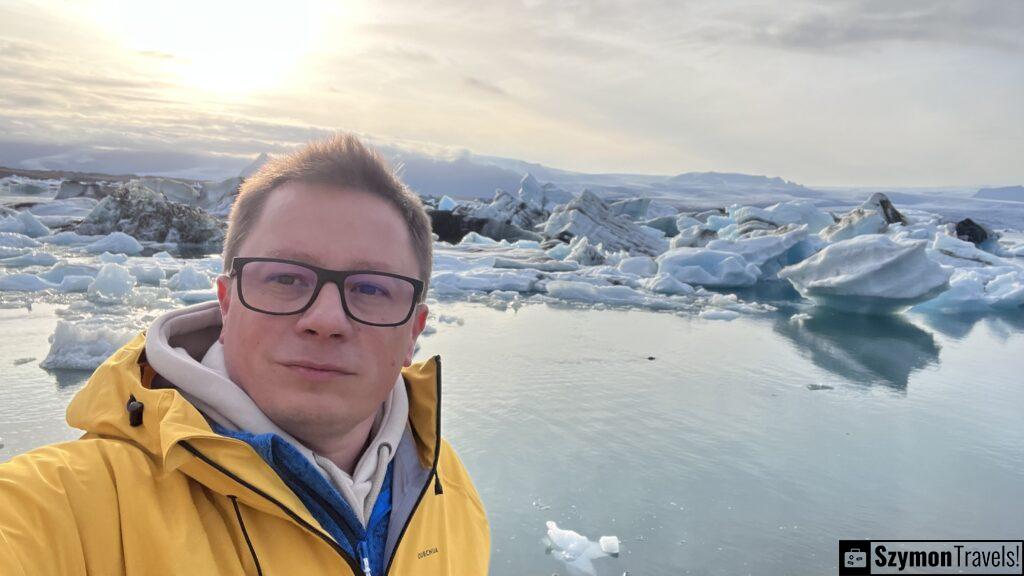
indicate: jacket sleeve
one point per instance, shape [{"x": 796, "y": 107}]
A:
[{"x": 55, "y": 508}]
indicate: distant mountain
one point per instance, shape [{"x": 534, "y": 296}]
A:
[
  {"x": 733, "y": 181},
  {"x": 1010, "y": 193}
]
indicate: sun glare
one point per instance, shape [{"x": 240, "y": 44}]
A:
[{"x": 228, "y": 48}]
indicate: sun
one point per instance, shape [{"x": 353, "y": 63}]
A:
[{"x": 226, "y": 47}]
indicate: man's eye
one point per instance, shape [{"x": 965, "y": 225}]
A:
[
  {"x": 285, "y": 279},
  {"x": 369, "y": 290}
]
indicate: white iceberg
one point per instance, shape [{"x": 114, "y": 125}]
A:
[
  {"x": 75, "y": 284},
  {"x": 17, "y": 240},
  {"x": 84, "y": 346},
  {"x": 117, "y": 242},
  {"x": 575, "y": 550},
  {"x": 24, "y": 282},
  {"x": 979, "y": 290},
  {"x": 24, "y": 223},
  {"x": 113, "y": 284},
  {"x": 68, "y": 238},
  {"x": 189, "y": 278},
  {"x": 34, "y": 258},
  {"x": 58, "y": 271},
  {"x": 667, "y": 284},
  {"x": 871, "y": 274},
  {"x": 593, "y": 294},
  {"x": 708, "y": 267},
  {"x": 794, "y": 212},
  {"x": 447, "y": 204},
  {"x": 639, "y": 265},
  {"x": 768, "y": 252},
  {"x": 148, "y": 273}
]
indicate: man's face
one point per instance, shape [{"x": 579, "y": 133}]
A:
[{"x": 338, "y": 229}]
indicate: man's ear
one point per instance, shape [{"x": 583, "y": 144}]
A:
[
  {"x": 419, "y": 322},
  {"x": 224, "y": 298}
]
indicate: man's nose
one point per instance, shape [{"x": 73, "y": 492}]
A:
[{"x": 326, "y": 316}]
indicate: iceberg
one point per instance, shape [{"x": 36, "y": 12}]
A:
[
  {"x": 871, "y": 217},
  {"x": 768, "y": 252},
  {"x": 148, "y": 215},
  {"x": 795, "y": 212},
  {"x": 667, "y": 284},
  {"x": 58, "y": 271},
  {"x": 586, "y": 292},
  {"x": 710, "y": 268},
  {"x": 589, "y": 216},
  {"x": 34, "y": 258},
  {"x": 189, "y": 278},
  {"x": 84, "y": 346},
  {"x": 115, "y": 242},
  {"x": 869, "y": 274},
  {"x": 113, "y": 284},
  {"x": 75, "y": 284},
  {"x": 577, "y": 551},
  {"x": 639, "y": 265},
  {"x": 447, "y": 204},
  {"x": 24, "y": 223},
  {"x": 24, "y": 282},
  {"x": 68, "y": 238},
  {"x": 979, "y": 290},
  {"x": 17, "y": 240}
]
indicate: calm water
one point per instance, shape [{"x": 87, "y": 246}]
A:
[{"x": 743, "y": 447}]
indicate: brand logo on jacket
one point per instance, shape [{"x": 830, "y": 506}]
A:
[{"x": 425, "y": 553}]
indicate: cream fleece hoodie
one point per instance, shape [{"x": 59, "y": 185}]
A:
[{"x": 173, "y": 345}]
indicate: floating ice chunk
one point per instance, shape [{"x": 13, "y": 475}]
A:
[
  {"x": 68, "y": 238},
  {"x": 195, "y": 296},
  {"x": 692, "y": 237},
  {"x": 484, "y": 280},
  {"x": 559, "y": 251},
  {"x": 107, "y": 257},
  {"x": 609, "y": 544},
  {"x": 118, "y": 242},
  {"x": 763, "y": 250},
  {"x": 447, "y": 204},
  {"x": 58, "y": 271},
  {"x": 716, "y": 314},
  {"x": 979, "y": 290},
  {"x": 24, "y": 282},
  {"x": 526, "y": 244},
  {"x": 960, "y": 251},
  {"x": 163, "y": 255},
  {"x": 794, "y": 212},
  {"x": 536, "y": 264},
  {"x": 8, "y": 252},
  {"x": 718, "y": 222},
  {"x": 75, "y": 284},
  {"x": 148, "y": 273},
  {"x": 667, "y": 284},
  {"x": 639, "y": 265},
  {"x": 477, "y": 240},
  {"x": 30, "y": 259},
  {"x": 586, "y": 292},
  {"x": 869, "y": 273},
  {"x": 584, "y": 253},
  {"x": 24, "y": 223},
  {"x": 84, "y": 346},
  {"x": 189, "y": 278},
  {"x": 708, "y": 267},
  {"x": 112, "y": 285},
  {"x": 17, "y": 240},
  {"x": 684, "y": 221},
  {"x": 574, "y": 549}
]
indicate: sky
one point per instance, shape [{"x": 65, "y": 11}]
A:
[{"x": 820, "y": 92}]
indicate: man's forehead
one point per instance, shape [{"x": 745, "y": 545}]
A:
[{"x": 311, "y": 258}]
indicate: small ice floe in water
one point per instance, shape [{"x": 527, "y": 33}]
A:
[
  {"x": 24, "y": 223},
  {"x": 24, "y": 282},
  {"x": 576, "y": 550},
  {"x": 189, "y": 278},
  {"x": 716, "y": 314},
  {"x": 84, "y": 345},
  {"x": 447, "y": 204},
  {"x": 33, "y": 258},
  {"x": 117, "y": 242},
  {"x": 112, "y": 285},
  {"x": 20, "y": 361},
  {"x": 819, "y": 387}
]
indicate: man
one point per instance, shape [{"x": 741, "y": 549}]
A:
[{"x": 281, "y": 430}]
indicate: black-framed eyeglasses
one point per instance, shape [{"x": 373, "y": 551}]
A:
[{"x": 284, "y": 287}]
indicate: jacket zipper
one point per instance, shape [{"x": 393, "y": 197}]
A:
[{"x": 431, "y": 476}]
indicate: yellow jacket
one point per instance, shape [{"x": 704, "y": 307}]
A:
[{"x": 170, "y": 496}]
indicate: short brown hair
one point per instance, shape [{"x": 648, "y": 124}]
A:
[{"x": 342, "y": 161}]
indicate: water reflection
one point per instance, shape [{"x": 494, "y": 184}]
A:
[
  {"x": 865, "y": 349},
  {"x": 959, "y": 326}
]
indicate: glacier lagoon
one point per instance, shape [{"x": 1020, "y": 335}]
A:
[{"x": 705, "y": 446}]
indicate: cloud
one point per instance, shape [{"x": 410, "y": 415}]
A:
[{"x": 485, "y": 86}]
